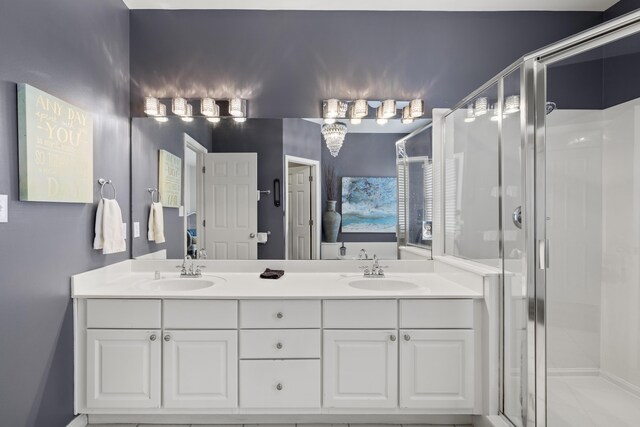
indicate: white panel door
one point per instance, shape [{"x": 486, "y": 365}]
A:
[
  {"x": 200, "y": 369},
  {"x": 299, "y": 201},
  {"x": 360, "y": 369},
  {"x": 231, "y": 205},
  {"x": 123, "y": 368},
  {"x": 437, "y": 369}
]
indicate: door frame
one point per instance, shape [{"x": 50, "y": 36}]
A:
[
  {"x": 316, "y": 206},
  {"x": 193, "y": 145}
]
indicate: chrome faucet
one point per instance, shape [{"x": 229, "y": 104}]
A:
[
  {"x": 376, "y": 270},
  {"x": 192, "y": 271}
]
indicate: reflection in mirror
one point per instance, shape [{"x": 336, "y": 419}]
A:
[{"x": 232, "y": 171}]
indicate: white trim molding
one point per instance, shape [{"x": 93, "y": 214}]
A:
[{"x": 79, "y": 421}]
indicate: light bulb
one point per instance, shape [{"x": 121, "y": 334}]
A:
[
  {"x": 188, "y": 116},
  {"x": 236, "y": 107},
  {"x": 162, "y": 114},
  {"x": 213, "y": 119},
  {"x": 388, "y": 108},
  {"x": 240, "y": 119}
]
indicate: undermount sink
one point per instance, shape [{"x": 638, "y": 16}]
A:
[
  {"x": 375, "y": 284},
  {"x": 183, "y": 284}
]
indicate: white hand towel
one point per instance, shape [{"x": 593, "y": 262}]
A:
[
  {"x": 156, "y": 223},
  {"x": 98, "y": 241},
  {"x": 112, "y": 228}
]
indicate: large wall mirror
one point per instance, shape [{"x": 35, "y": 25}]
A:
[{"x": 271, "y": 189}]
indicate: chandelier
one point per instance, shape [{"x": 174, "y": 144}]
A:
[{"x": 334, "y": 134}]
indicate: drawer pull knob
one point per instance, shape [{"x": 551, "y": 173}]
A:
[
  {"x": 167, "y": 338},
  {"x": 279, "y": 387},
  {"x": 407, "y": 337},
  {"x": 279, "y": 315},
  {"x": 392, "y": 337},
  {"x": 153, "y": 337},
  {"x": 279, "y": 346}
]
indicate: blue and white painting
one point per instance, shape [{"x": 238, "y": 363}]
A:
[{"x": 369, "y": 204}]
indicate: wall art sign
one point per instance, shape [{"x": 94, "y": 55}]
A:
[
  {"x": 55, "y": 149},
  {"x": 369, "y": 204},
  {"x": 170, "y": 179}
]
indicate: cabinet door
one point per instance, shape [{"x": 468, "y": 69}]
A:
[
  {"x": 360, "y": 369},
  {"x": 437, "y": 369},
  {"x": 123, "y": 368},
  {"x": 200, "y": 369}
]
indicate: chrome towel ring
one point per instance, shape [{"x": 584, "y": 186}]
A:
[
  {"x": 104, "y": 182},
  {"x": 153, "y": 191}
]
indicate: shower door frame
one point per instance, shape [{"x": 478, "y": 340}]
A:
[{"x": 533, "y": 92}]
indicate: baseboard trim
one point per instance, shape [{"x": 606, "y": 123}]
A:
[
  {"x": 622, "y": 383},
  {"x": 79, "y": 421},
  {"x": 490, "y": 421},
  {"x": 574, "y": 372}
]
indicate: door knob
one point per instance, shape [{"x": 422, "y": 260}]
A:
[
  {"x": 252, "y": 235},
  {"x": 517, "y": 217}
]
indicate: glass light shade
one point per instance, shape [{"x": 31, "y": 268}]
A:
[
  {"x": 240, "y": 119},
  {"x": 482, "y": 106},
  {"x": 162, "y": 113},
  {"x": 470, "y": 114},
  {"x": 179, "y": 106},
  {"x": 416, "y": 108},
  {"x": 334, "y": 135},
  {"x": 380, "y": 119},
  {"x": 188, "y": 117},
  {"x": 236, "y": 107},
  {"x": 355, "y": 121},
  {"x": 353, "y": 118},
  {"x": 360, "y": 108},
  {"x": 151, "y": 106},
  {"x": 209, "y": 108},
  {"x": 512, "y": 104},
  {"x": 406, "y": 115},
  {"x": 331, "y": 108},
  {"x": 388, "y": 108},
  {"x": 329, "y": 121},
  {"x": 213, "y": 119}
]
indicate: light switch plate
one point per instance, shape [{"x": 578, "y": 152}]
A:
[
  {"x": 124, "y": 230},
  {"x": 181, "y": 211},
  {"x": 4, "y": 208},
  {"x": 136, "y": 229}
]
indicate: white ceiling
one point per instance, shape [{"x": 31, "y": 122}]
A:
[{"x": 424, "y": 5}]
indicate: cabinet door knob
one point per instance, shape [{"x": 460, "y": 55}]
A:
[
  {"x": 407, "y": 337},
  {"x": 279, "y": 346},
  {"x": 392, "y": 337},
  {"x": 153, "y": 337},
  {"x": 167, "y": 338},
  {"x": 279, "y": 387},
  {"x": 279, "y": 315}
]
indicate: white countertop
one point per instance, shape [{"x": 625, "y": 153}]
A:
[{"x": 290, "y": 286}]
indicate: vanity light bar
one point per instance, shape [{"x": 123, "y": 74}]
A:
[
  {"x": 358, "y": 109},
  {"x": 181, "y": 107}
]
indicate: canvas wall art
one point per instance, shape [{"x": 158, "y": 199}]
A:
[
  {"x": 369, "y": 205},
  {"x": 55, "y": 152},
  {"x": 170, "y": 179}
]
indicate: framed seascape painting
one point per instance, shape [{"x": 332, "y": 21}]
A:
[{"x": 369, "y": 204}]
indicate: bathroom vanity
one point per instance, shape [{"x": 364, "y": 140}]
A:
[{"x": 307, "y": 344}]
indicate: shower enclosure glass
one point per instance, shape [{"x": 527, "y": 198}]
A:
[{"x": 541, "y": 179}]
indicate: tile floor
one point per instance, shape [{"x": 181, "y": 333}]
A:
[
  {"x": 590, "y": 401},
  {"x": 279, "y": 425}
]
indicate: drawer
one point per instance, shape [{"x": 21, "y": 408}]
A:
[
  {"x": 272, "y": 314},
  {"x": 280, "y": 384},
  {"x": 280, "y": 344},
  {"x": 361, "y": 314},
  {"x": 437, "y": 314},
  {"x": 123, "y": 313},
  {"x": 200, "y": 314}
]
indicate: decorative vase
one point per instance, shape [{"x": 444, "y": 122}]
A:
[{"x": 331, "y": 222}]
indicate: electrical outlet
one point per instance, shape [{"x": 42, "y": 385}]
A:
[
  {"x": 4, "y": 208},
  {"x": 136, "y": 229}
]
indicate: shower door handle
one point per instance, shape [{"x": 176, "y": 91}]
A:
[
  {"x": 516, "y": 216},
  {"x": 543, "y": 254}
]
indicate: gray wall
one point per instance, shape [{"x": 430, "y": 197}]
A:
[
  {"x": 286, "y": 62},
  {"x": 147, "y": 137},
  {"x": 620, "y": 8},
  {"x": 302, "y": 138},
  {"x": 79, "y": 52},
  {"x": 262, "y": 136},
  {"x": 363, "y": 154}
]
